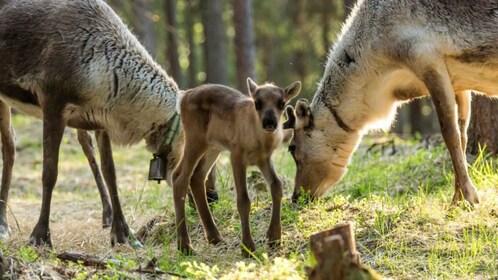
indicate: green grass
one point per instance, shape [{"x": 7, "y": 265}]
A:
[{"x": 399, "y": 205}]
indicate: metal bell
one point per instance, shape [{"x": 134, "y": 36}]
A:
[{"x": 157, "y": 169}]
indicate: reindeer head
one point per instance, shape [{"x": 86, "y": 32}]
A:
[
  {"x": 270, "y": 101},
  {"x": 357, "y": 92}
]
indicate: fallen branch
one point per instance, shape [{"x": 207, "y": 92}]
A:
[{"x": 101, "y": 263}]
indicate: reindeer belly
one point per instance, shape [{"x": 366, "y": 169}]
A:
[
  {"x": 474, "y": 76},
  {"x": 21, "y": 100}
]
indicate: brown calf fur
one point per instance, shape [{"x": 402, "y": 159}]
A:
[{"x": 220, "y": 118}]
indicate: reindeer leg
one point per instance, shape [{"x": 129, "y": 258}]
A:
[
  {"x": 276, "y": 187},
  {"x": 8, "y": 155},
  {"x": 439, "y": 85},
  {"x": 193, "y": 152},
  {"x": 120, "y": 231},
  {"x": 53, "y": 129},
  {"x": 463, "y": 100},
  {"x": 87, "y": 146},
  {"x": 197, "y": 185},
  {"x": 212, "y": 194},
  {"x": 239, "y": 167}
]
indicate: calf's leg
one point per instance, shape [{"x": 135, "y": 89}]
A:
[
  {"x": 8, "y": 156},
  {"x": 86, "y": 144},
  {"x": 193, "y": 152},
  {"x": 276, "y": 187},
  {"x": 197, "y": 185},
  {"x": 239, "y": 167}
]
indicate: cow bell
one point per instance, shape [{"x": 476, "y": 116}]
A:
[{"x": 157, "y": 169}]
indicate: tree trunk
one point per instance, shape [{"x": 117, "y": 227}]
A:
[
  {"x": 143, "y": 25},
  {"x": 483, "y": 129},
  {"x": 192, "y": 58},
  {"x": 172, "y": 40},
  {"x": 299, "y": 22},
  {"x": 244, "y": 42},
  {"x": 326, "y": 17},
  {"x": 215, "y": 44}
]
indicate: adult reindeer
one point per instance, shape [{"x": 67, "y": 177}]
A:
[
  {"x": 390, "y": 52},
  {"x": 74, "y": 63}
]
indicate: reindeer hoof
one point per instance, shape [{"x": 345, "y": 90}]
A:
[
  {"x": 186, "y": 250},
  {"x": 122, "y": 234},
  {"x": 274, "y": 239},
  {"x": 4, "y": 231},
  {"x": 248, "y": 249},
  {"x": 215, "y": 240},
  {"x": 469, "y": 193},
  {"x": 212, "y": 196},
  {"x": 40, "y": 237}
]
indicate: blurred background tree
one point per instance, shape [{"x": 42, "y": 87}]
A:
[{"x": 226, "y": 41}]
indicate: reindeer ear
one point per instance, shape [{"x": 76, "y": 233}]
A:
[
  {"x": 251, "y": 86},
  {"x": 303, "y": 114},
  {"x": 292, "y": 90},
  {"x": 291, "y": 118}
]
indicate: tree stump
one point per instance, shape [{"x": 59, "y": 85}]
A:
[{"x": 336, "y": 256}]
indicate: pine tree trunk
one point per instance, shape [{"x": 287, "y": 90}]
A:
[
  {"x": 172, "y": 40},
  {"x": 143, "y": 25},
  {"x": 215, "y": 44},
  {"x": 326, "y": 16},
  {"x": 244, "y": 42},
  {"x": 483, "y": 129},
  {"x": 301, "y": 59},
  {"x": 192, "y": 58}
]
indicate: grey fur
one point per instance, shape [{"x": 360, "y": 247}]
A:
[
  {"x": 74, "y": 62},
  {"x": 389, "y": 52}
]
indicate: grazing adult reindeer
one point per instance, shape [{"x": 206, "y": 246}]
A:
[
  {"x": 220, "y": 118},
  {"x": 390, "y": 52},
  {"x": 74, "y": 63}
]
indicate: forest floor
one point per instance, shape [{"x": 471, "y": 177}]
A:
[{"x": 399, "y": 205}]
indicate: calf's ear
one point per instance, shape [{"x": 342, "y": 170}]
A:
[
  {"x": 251, "y": 86},
  {"x": 291, "y": 118},
  {"x": 292, "y": 90}
]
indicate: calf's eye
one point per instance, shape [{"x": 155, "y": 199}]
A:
[{"x": 258, "y": 104}]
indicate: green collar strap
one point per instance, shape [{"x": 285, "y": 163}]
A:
[{"x": 172, "y": 131}]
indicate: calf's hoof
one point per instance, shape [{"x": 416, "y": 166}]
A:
[
  {"x": 40, "y": 237},
  {"x": 212, "y": 196},
  {"x": 248, "y": 248},
  {"x": 274, "y": 238},
  {"x": 122, "y": 234},
  {"x": 469, "y": 193},
  {"x": 215, "y": 239},
  {"x": 186, "y": 249}
]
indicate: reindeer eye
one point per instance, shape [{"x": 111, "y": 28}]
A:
[
  {"x": 348, "y": 59},
  {"x": 258, "y": 104},
  {"x": 281, "y": 105}
]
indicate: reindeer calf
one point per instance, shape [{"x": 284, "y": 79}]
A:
[{"x": 220, "y": 118}]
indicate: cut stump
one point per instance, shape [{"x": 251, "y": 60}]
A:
[{"x": 336, "y": 256}]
